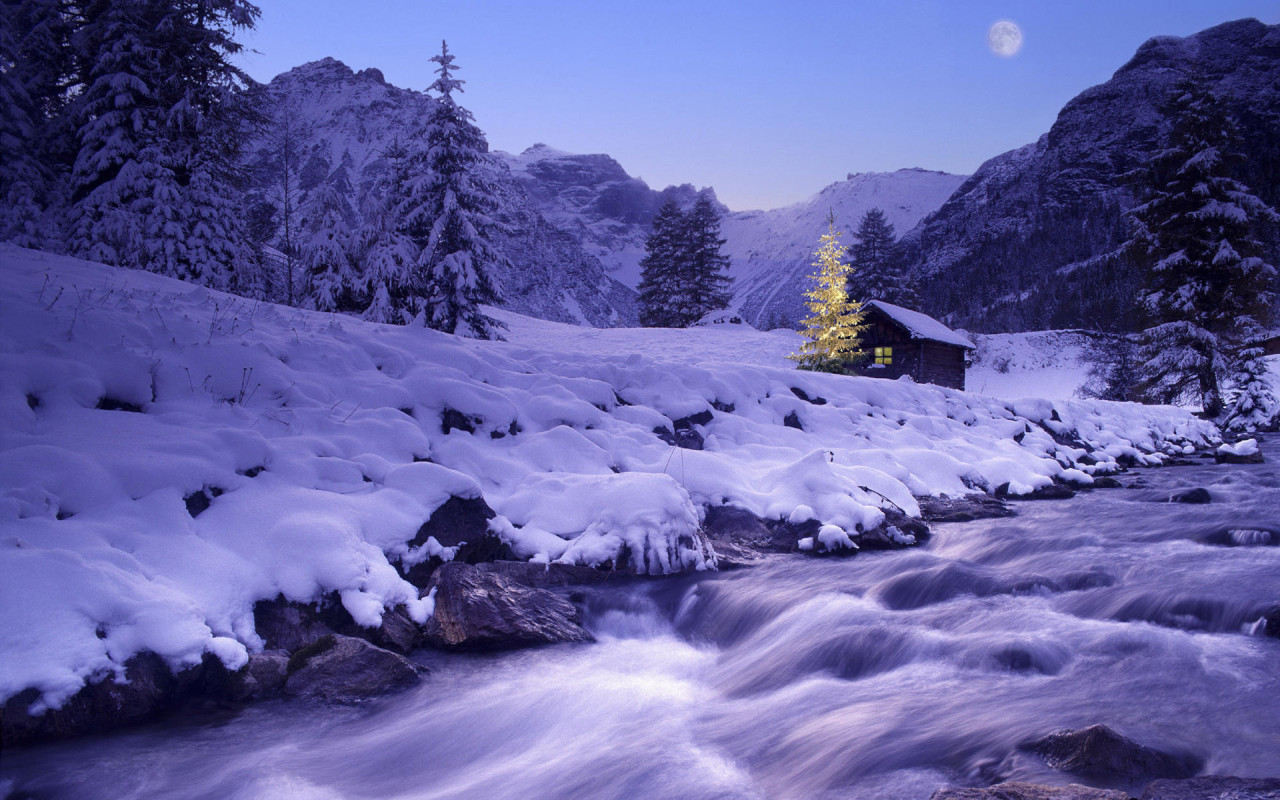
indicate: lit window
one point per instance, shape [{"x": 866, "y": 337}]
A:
[{"x": 884, "y": 355}]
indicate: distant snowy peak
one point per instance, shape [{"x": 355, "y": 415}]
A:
[
  {"x": 609, "y": 212},
  {"x": 772, "y": 251}
]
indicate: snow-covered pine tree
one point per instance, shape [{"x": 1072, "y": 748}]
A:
[
  {"x": 662, "y": 269},
  {"x": 326, "y": 253},
  {"x": 446, "y": 206},
  {"x": 879, "y": 272},
  {"x": 1251, "y": 402},
  {"x": 1205, "y": 281},
  {"x": 835, "y": 323},
  {"x": 705, "y": 282},
  {"x": 1114, "y": 369},
  {"x": 159, "y": 135},
  {"x": 33, "y": 69}
]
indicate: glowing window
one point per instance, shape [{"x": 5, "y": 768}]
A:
[{"x": 884, "y": 355}]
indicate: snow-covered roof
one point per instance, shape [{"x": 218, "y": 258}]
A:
[{"x": 923, "y": 326}]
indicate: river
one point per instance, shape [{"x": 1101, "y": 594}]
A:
[{"x": 886, "y": 675}]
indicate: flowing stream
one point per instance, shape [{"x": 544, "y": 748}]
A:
[{"x": 886, "y": 675}]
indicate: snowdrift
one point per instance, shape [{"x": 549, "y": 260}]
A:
[{"x": 171, "y": 455}]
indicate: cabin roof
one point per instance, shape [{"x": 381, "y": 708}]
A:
[{"x": 922, "y": 326}]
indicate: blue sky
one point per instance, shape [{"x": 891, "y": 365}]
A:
[{"x": 766, "y": 100}]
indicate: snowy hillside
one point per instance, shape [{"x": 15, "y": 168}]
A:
[
  {"x": 772, "y": 251},
  {"x": 170, "y": 455}
]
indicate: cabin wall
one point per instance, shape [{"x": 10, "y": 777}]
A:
[{"x": 925, "y": 361}]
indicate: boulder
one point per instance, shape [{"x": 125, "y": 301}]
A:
[
  {"x": 541, "y": 576},
  {"x": 1197, "y": 496},
  {"x": 1104, "y": 756},
  {"x": 288, "y": 625},
  {"x": 1029, "y": 791},
  {"x": 148, "y": 689},
  {"x": 963, "y": 509},
  {"x": 262, "y": 677},
  {"x": 1245, "y": 452},
  {"x": 481, "y": 610},
  {"x": 1272, "y": 625},
  {"x": 347, "y": 670},
  {"x": 461, "y": 522},
  {"x": 896, "y": 532},
  {"x": 1054, "y": 491},
  {"x": 1213, "y": 787},
  {"x": 741, "y": 538}
]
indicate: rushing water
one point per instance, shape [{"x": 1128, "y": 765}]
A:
[{"x": 882, "y": 676}]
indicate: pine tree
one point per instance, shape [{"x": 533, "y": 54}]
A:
[
  {"x": 662, "y": 268},
  {"x": 1251, "y": 402},
  {"x": 835, "y": 322},
  {"x": 331, "y": 278},
  {"x": 385, "y": 254},
  {"x": 705, "y": 282},
  {"x": 879, "y": 271},
  {"x": 446, "y": 206},
  {"x": 34, "y": 66},
  {"x": 160, "y": 128},
  {"x": 1206, "y": 283}
]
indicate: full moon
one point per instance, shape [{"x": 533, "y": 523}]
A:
[{"x": 1004, "y": 38}]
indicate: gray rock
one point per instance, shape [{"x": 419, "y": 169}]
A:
[
  {"x": 1232, "y": 458},
  {"x": 346, "y": 669},
  {"x": 461, "y": 522},
  {"x": 1054, "y": 491},
  {"x": 962, "y": 509},
  {"x": 541, "y": 576},
  {"x": 1102, "y": 755},
  {"x": 741, "y": 538},
  {"x": 263, "y": 676},
  {"x": 481, "y": 610},
  {"x": 1214, "y": 787},
  {"x": 148, "y": 689},
  {"x": 287, "y": 625},
  {"x": 1029, "y": 791},
  {"x": 884, "y": 538},
  {"x": 1197, "y": 496}
]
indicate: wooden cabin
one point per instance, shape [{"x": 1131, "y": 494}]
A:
[{"x": 900, "y": 342}]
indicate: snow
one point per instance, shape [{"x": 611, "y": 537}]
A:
[
  {"x": 319, "y": 440},
  {"x": 923, "y": 326},
  {"x": 1248, "y": 447}
]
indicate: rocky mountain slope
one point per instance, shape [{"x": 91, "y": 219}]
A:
[
  {"x": 609, "y": 213},
  {"x": 341, "y": 122},
  {"x": 1024, "y": 243}
]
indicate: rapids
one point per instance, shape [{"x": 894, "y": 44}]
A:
[{"x": 886, "y": 675}]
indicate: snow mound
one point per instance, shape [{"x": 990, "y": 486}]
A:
[{"x": 170, "y": 455}]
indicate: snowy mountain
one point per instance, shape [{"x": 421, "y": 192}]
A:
[
  {"x": 1023, "y": 243},
  {"x": 610, "y": 213},
  {"x": 772, "y": 251},
  {"x": 171, "y": 455},
  {"x": 340, "y": 123}
]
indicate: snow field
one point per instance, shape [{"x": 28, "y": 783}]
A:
[{"x": 318, "y": 442}]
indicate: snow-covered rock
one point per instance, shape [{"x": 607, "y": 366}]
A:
[{"x": 318, "y": 445}]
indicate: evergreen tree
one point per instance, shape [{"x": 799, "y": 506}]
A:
[
  {"x": 385, "y": 254},
  {"x": 34, "y": 66},
  {"x": 445, "y": 207},
  {"x": 662, "y": 267},
  {"x": 835, "y": 322},
  {"x": 704, "y": 284},
  {"x": 1252, "y": 404},
  {"x": 1206, "y": 283},
  {"x": 331, "y": 277},
  {"x": 879, "y": 271},
  {"x": 1114, "y": 368},
  {"x": 159, "y": 134}
]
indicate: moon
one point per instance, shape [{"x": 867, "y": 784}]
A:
[{"x": 1004, "y": 38}]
